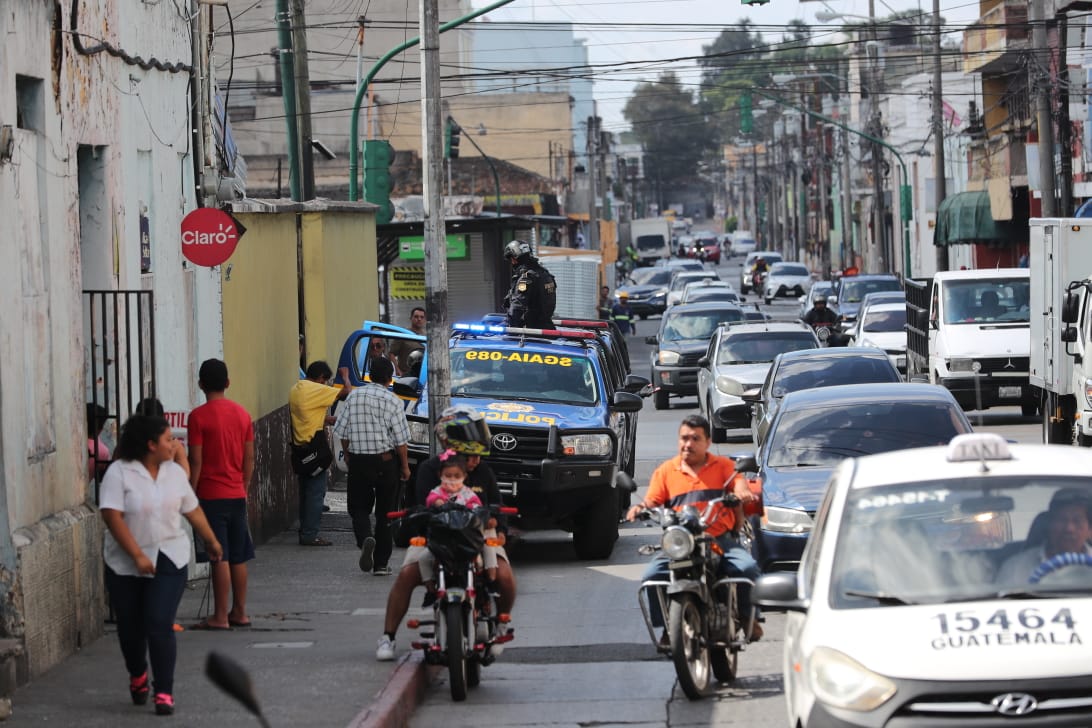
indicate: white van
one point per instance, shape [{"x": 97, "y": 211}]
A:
[
  {"x": 651, "y": 238},
  {"x": 743, "y": 242}
]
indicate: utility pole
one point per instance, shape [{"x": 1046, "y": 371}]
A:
[
  {"x": 823, "y": 228},
  {"x": 303, "y": 100},
  {"x": 754, "y": 192},
  {"x": 432, "y": 146},
  {"x": 879, "y": 237},
  {"x": 1040, "y": 81},
  {"x": 1065, "y": 131},
  {"x": 593, "y": 186},
  {"x": 848, "y": 257},
  {"x": 288, "y": 93},
  {"x": 940, "y": 185}
]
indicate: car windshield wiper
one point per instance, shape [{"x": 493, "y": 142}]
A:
[
  {"x": 1039, "y": 593},
  {"x": 881, "y": 597}
]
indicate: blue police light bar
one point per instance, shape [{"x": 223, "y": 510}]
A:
[{"x": 479, "y": 328}]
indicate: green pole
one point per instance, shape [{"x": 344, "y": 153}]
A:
[
  {"x": 288, "y": 92},
  {"x": 354, "y": 119},
  {"x": 908, "y": 212}
]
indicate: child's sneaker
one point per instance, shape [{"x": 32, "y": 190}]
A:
[
  {"x": 138, "y": 689},
  {"x": 164, "y": 704},
  {"x": 384, "y": 651}
]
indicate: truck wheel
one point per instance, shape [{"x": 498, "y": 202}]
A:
[
  {"x": 1055, "y": 432},
  {"x": 1083, "y": 440},
  {"x": 718, "y": 434},
  {"x": 660, "y": 399},
  {"x": 596, "y": 529}
]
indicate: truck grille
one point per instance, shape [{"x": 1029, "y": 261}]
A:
[
  {"x": 690, "y": 360},
  {"x": 530, "y": 444},
  {"x": 1004, "y": 365}
]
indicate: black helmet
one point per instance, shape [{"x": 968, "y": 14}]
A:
[
  {"x": 415, "y": 359},
  {"x": 465, "y": 430},
  {"x": 517, "y": 249},
  {"x": 818, "y": 297}
]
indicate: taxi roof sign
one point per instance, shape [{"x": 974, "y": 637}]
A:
[{"x": 978, "y": 446}]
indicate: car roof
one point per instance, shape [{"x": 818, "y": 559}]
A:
[
  {"x": 832, "y": 353},
  {"x": 911, "y": 466},
  {"x": 847, "y": 394}
]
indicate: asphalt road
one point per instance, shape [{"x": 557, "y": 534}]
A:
[{"x": 582, "y": 655}]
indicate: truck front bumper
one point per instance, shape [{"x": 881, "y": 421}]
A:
[
  {"x": 551, "y": 492},
  {"x": 984, "y": 392},
  {"x": 677, "y": 380}
]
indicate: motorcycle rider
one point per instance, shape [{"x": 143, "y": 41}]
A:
[
  {"x": 693, "y": 478},
  {"x": 464, "y": 430},
  {"x": 820, "y": 316},
  {"x": 533, "y": 294}
]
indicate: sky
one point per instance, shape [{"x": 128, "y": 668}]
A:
[{"x": 608, "y": 28}]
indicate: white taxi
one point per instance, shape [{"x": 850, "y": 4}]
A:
[{"x": 947, "y": 586}]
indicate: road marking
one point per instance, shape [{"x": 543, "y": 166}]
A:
[{"x": 283, "y": 645}]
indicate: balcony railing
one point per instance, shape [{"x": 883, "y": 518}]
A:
[{"x": 996, "y": 40}]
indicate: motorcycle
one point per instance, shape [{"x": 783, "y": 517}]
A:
[
  {"x": 467, "y": 632},
  {"x": 758, "y": 281},
  {"x": 705, "y": 630}
]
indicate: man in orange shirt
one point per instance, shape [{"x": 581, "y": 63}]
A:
[{"x": 694, "y": 478}]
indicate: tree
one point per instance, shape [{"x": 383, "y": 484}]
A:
[{"x": 671, "y": 127}]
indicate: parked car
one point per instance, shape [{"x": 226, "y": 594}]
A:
[
  {"x": 815, "y": 429},
  {"x": 769, "y": 256},
  {"x": 850, "y": 291},
  {"x": 647, "y": 290},
  {"x": 883, "y": 325},
  {"x": 738, "y": 357},
  {"x": 786, "y": 279},
  {"x": 682, "y": 340},
  {"x": 921, "y": 546},
  {"x": 680, "y": 280},
  {"x": 813, "y": 369},
  {"x": 823, "y": 288}
]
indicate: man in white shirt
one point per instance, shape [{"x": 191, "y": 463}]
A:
[{"x": 1069, "y": 531}]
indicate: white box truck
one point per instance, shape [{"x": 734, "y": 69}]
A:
[
  {"x": 1061, "y": 370},
  {"x": 651, "y": 238}
]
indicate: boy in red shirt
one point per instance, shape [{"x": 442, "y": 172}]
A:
[{"x": 221, "y": 440}]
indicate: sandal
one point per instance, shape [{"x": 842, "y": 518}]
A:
[
  {"x": 164, "y": 704},
  {"x": 138, "y": 689}
]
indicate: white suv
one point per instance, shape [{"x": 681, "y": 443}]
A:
[{"x": 944, "y": 586}]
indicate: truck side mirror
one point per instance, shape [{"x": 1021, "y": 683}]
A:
[
  {"x": 1069, "y": 335},
  {"x": 1071, "y": 307},
  {"x": 651, "y": 340}
]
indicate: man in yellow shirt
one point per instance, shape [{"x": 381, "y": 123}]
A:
[{"x": 309, "y": 404}]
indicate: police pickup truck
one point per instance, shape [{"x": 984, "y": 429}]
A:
[{"x": 563, "y": 420}]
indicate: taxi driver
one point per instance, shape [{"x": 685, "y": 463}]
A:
[{"x": 1069, "y": 531}]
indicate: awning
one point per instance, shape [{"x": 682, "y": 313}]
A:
[{"x": 965, "y": 218}]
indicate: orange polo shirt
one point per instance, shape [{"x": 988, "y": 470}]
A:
[{"x": 674, "y": 487}]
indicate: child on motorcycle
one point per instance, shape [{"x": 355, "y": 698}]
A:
[{"x": 452, "y": 489}]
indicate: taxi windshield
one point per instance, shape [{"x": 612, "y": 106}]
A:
[
  {"x": 963, "y": 540},
  {"x": 524, "y": 375},
  {"x": 762, "y": 347}
]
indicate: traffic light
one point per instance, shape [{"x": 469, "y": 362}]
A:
[
  {"x": 378, "y": 156},
  {"x": 452, "y": 130},
  {"x": 746, "y": 118}
]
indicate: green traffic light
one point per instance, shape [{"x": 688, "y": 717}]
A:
[{"x": 378, "y": 157}]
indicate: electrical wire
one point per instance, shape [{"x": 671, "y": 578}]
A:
[{"x": 106, "y": 47}]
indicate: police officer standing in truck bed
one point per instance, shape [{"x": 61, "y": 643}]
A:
[{"x": 531, "y": 299}]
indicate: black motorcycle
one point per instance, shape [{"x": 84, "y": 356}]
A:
[
  {"x": 466, "y": 632},
  {"x": 705, "y": 630}
]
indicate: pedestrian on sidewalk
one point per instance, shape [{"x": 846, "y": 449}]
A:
[
  {"x": 146, "y": 551},
  {"x": 221, "y": 437},
  {"x": 309, "y": 403},
  {"x": 374, "y": 433}
]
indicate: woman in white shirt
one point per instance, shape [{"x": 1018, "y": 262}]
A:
[{"x": 143, "y": 497}]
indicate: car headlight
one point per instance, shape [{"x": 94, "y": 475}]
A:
[
  {"x": 658, "y": 295},
  {"x": 677, "y": 543},
  {"x": 668, "y": 357},
  {"x": 960, "y": 365},
  {"x": 598, "y": 445},
  {"x": 841, "y": 682},
  {"x": 787, "y": 520},
  {"x": 731, "y": 387},
  {"x": 418, "y": 432}
]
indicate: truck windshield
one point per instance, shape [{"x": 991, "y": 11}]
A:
[
  {"x": 651, "y": 242},
  {"x": 986, "y": 300},
  {"x": 521, "y": 374}
]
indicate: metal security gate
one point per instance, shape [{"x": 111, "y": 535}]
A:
[{"x": 119, "y": 331}]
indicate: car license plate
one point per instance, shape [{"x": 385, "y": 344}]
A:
[{"x": 1008, "y": 392}]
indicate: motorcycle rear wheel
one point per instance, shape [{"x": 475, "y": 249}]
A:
[
  {"x": 689, "y": 647},
  {"x": 455, "y": 627}
]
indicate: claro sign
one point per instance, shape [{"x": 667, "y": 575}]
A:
[{"x": 209, "y": 236}]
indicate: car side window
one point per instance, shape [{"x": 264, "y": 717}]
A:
[{"x": 809, "y": 566}]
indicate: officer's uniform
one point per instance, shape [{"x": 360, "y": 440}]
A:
[{"x": 532, "y": 297}]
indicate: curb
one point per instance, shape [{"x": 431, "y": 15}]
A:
[{"x": 398, "y": 698}]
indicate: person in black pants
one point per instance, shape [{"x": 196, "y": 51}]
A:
[{"x": 373, "y": 431}]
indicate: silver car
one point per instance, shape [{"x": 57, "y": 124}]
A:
[{"x": 738, "y": 358}]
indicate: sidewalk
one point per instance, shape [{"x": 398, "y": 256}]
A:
[{"x": 310, "y": 651}]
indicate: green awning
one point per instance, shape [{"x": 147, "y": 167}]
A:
[{"x": 965, "y": 218}]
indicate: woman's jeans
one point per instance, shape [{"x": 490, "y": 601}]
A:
[{"x": 145, "y": 609}]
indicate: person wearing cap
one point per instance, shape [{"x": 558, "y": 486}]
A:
[
  {"x": 465, "y": 431},
  {"x": 532, "y": 296},
  {"x": 622, "y": 314},
  {"x": 1068, "y": 531}
]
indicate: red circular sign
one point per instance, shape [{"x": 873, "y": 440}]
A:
[{"x": 209, "y": 236}]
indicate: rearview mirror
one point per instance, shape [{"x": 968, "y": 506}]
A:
[
  {"x": 703, "y": 362},
  {"x": 651, "y": 340},
  {"x": 1070, "y": 307},
  {"x": 634, "y": 383},
  {"x": 624, "y": 483},
  {"x": 1069, "y": 334},
  {"x": 626, "y": 402},
  {"x": 746, "y": 463},
  {"x": 752, "y": 395},
  {"x": 779, "y": 590}
]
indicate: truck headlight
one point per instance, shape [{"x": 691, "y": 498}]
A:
[
  {"x": 418, "y": 432},
  {"x": 668, "y": 357},
  {"x": 787, "y": 520},
  {"x": 677, "y": 543},
  {"x": 598, "y": 445},
  {"x": 1088, "y": 390},
  {"x": 841, "y": 682},
  {"x": 960, "y": 365}
]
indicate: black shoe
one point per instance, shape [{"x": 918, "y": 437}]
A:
[
  {"x": 367, "y": 550},
  {"x": 325, "y": 508}
]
